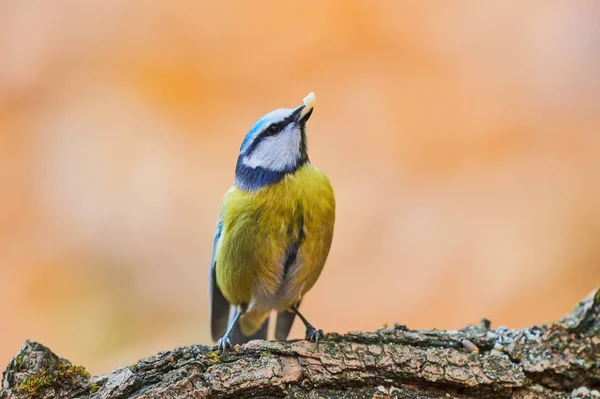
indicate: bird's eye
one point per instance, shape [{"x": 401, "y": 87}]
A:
[{"x": 273, "y": 129}]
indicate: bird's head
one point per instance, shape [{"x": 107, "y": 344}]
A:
[{"x": 274, "y": 147}]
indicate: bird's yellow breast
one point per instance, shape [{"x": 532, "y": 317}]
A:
[{"x": 261, "y": 227}]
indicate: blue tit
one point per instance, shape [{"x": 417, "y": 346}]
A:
[{"x": 273, "y": 234}]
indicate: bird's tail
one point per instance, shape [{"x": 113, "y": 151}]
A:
[
  {"x": 284, "y": 323},
  {"x": 252, "y": 325}
]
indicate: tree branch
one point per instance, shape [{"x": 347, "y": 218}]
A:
[{"x": 555, "y": 360}]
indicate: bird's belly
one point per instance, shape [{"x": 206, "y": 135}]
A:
[
  {"x": 292, "y": 279},
  {"x": 252, "y": 255},
  {"x": 275, "y": 242}
]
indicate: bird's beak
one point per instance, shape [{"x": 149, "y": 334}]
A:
[{"x": 301, "y": 114}]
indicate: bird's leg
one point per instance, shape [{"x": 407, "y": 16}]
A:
[
  {"x": 312, "y": 334},
  {"x": 223, "y": 343}
]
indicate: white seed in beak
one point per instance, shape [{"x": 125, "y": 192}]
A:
[{"x": 309, "y": 102}]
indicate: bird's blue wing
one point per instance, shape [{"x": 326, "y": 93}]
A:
[{"x": 219, "y": 307}]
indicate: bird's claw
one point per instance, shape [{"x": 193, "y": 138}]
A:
[
  {"x": 223, "y": 344},
  {"x": 313, "y": 335}
]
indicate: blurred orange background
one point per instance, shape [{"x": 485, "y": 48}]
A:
[{"x": 462, "y": 139}]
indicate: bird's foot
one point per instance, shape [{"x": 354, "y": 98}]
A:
[
  {"x": 223, "y": 344},
  {"x": 313, "y": 335}
]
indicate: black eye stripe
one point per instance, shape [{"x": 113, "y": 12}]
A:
[
  {"x": 277, "y": 127},
  {"x": 273, "y": 129},
  {"x": 281, "y": 125}
]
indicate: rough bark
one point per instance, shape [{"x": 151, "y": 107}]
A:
[{"x": 560, "y": 359}]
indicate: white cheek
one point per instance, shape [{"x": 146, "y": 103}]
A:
[{"x": 276, "y": 153}]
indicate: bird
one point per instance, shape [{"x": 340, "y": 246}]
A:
[{"x": 273, "y": 234}]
